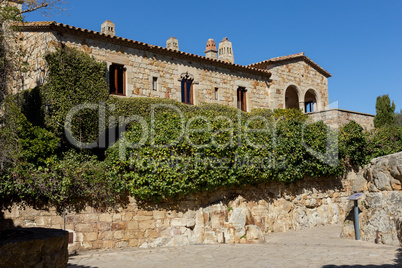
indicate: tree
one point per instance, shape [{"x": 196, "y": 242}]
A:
[
  {"x": 11, "y": 55},
  {"x": 398, "y": 118},
  {"x": 385, "y": 111},
  {"x": 46, "y": 7}
]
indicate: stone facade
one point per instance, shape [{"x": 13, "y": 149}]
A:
[
  {"x": 381, "y": 206},
  {"x": 293, "y": 81},
  {"x": 337, "y": 117},
  {"x": 265, "y": 85},
  {"x": 226, "y": 216},
  {"x": 303, "y": 78}
]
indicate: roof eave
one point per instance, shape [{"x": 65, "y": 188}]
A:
[{"x": 59, "y": 27}]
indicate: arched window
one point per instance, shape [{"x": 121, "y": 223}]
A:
[
  {"x": 310, "y": 101},
  {"x": 291, "y": 98},
  {"x": 187, "y": 88}
]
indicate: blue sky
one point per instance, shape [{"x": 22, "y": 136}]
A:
[{"x": 358, "y": 42}]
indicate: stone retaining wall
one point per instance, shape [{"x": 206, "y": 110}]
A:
[
  {"x": 337, "y": 117},
  {"x": 237, "y": 216},
  {"x": 381, "y": 206},
  {"x": 230, "y": 216}
]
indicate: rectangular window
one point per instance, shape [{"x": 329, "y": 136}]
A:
[
  {"x": 186, "y": 91},
  {"x": 117, "y": 75},
  {"x": 155, "y": 83},
  {"x": 216, "y": 93},
  {"x": 241, "y": 99}
]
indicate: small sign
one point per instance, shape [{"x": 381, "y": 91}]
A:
[
  {"x": 70, "y": 238},
  {"x": 355, "y": 196}
]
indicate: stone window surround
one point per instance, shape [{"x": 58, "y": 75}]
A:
[
  {"x": 317, "y": 104},
  {"x": 195, "y": 83},
  {"x": 216, "y": 94},
  {"x": 158, "y": 82},
  {"x": 109, "y": 64},
  {"x": 246, "y": 85}
]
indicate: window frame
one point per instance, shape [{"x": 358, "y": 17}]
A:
[
  {"x": 154, "y": 83},
  {"x": 309, "y": 104},
  {"x": 187, "y": 91},
  {"x": 216, "y": 93},
  {"x": 113, "y": 82},
  {"x": 242, "y": 98}
]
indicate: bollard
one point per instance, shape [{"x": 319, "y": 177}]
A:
[
  {"x": 355, "y": 198},
  {"x": 357, "y": 227}
]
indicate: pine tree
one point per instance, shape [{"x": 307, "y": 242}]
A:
[
  {"x": 398, "y": 118},
  {"x": 385, "y": 111}
]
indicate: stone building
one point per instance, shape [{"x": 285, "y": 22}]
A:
[{"x": 137, "y": 69}]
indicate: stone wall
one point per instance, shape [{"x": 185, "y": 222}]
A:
[
  {"x": 36, "y": 45},
  {"x": 337, "y": 117},
  {"x": 226, "y": 216},
  {"x": 381, "y": 206},
  {"x": 144, "y": 63}
]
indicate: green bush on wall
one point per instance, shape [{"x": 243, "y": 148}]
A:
[{"x": 224, "y": 147}]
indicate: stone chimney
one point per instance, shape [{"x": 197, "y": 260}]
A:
[
  {"x": 211, "y": 51},
  {"x": 226, "y": 51},
  {"x": 172, "y": 43},
  {"x": 108, "y": 28}
]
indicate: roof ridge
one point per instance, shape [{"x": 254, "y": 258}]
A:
[
  {"x": 66, "y": 26},
  {"x": 290, "y": 57}
]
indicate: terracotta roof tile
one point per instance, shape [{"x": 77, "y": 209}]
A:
[
  {"x": 64, "y": 27},
  {"x": 300, "y": 55}
]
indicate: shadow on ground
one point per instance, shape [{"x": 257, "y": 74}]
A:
[
  {"x": 398, "y": 263},
  {"x": 79, "y": 266}
]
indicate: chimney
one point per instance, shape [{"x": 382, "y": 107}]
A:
[
  {"x": 226, "y": 51},
  {"x": 210, "y": 51},
  {"x": 108, "y": 28},
  {"x": 172, "y": 43}
]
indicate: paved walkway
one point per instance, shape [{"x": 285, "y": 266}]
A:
[{"x": 317, "y": 247}]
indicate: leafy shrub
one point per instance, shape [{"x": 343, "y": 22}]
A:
[
  {"x": 384, "y": 140},
  {"x": 74, "y": 181},
  {"x": 353, "y": 144}
]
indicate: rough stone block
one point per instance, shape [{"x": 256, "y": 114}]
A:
[
  {"x": 105, "y": 217},
  {"x": 118, "y": 226},
  {"x": 92, "y": 236},
  {"x": 83, "y": 227},
  {"x": 149, "y": 224},
  {"x": 133, "y": 225},
  {"x": 178, "y": 222},
  {"x": 159, "y": 215},
  {"x": 118, "y": 234}
]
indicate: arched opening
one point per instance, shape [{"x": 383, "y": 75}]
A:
[
  {"x": 310, "y": 101},
  {"x": 291, "y": 98}
]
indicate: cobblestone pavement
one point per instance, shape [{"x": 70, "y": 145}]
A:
[{"x": 317, "y": 247}]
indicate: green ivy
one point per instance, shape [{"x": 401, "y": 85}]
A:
[
  {"x": 265, "y": 145},
  {"x": 74, "y": 78}
]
